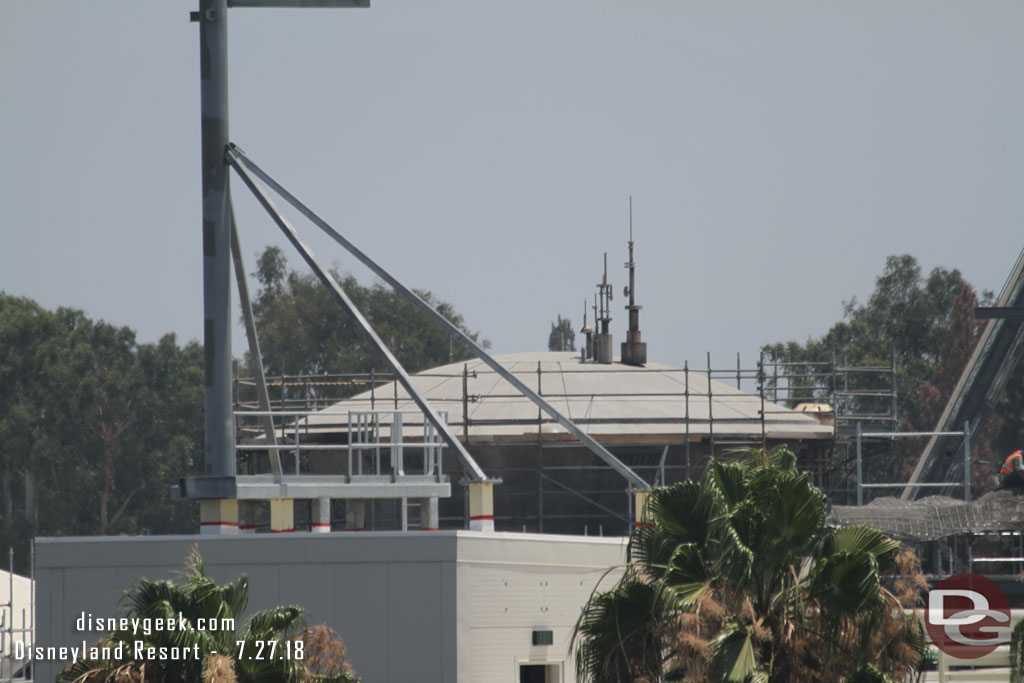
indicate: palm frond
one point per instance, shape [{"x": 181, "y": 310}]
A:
[
  {"x": 616, "y": 637},
  {"x": 732, "y": 654},
  {"x": 858, "y": 538}
]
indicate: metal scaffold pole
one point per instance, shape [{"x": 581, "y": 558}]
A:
[{"x": 860, "y": 470}]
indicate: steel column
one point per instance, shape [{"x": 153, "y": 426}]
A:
[{"x": 213, "y": 65}]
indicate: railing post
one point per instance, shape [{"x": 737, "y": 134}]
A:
[
  {"x": 428, "y": 447},
  {"x": 375, "y": 435},
  {"x": 686, "y": 410},
  {"x": 296, "y": 445},
  {"x": 397, "y": 467},
  {"x": 860, "y": 470},
  {"x": 350, "y": 446}
]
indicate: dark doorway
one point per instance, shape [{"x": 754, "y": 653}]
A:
[{"x": 532, "y": 673}]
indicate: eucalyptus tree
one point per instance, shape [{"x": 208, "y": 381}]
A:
[
  {"x": 927, "y": 322},
  {"x": 562, "y": 336},
  {"x": 96, "y": 426},
  {"x": 303, "y": 330}
]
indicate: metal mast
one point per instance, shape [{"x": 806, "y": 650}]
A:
[
  {"x": 634, "y": 351},
  {"x": 603, "y": 340},
  {"x": 213, "y": 67},
  {"x": 219, "y": 441}
]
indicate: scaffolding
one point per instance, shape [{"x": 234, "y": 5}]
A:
[
  {"x": 17, "y": 628},
  {"x": 862, "y": 398},
  {"x": 965, "y": 447},
  {"x": 549, "y": 484}
]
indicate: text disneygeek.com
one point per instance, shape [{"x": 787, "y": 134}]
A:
[{"x": 121, "y": 648}]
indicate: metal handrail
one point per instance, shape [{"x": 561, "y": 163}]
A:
[{"x": 363, "y": 435}]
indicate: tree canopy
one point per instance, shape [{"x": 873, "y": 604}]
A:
[
  {"x": 96, "y": 427},
  {"x": 928, "y": 323},
  {"x": 303, "y": 330},
  {"x": 562, "y": 337}
]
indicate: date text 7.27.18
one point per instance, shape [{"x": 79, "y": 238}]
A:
[{"x": 270, "y": 649}]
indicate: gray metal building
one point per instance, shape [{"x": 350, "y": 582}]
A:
[{"x": 444, "y": 606}]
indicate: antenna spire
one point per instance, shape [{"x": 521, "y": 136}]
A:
[
  {"x": 634, "y": 351},
  {"x": 603, "y": 342},
  {"x": 588, "y": 332}
]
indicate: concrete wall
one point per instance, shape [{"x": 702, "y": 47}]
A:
[{"x": 433, "y": 606}]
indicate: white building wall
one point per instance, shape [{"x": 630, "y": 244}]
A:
[
  {"x": 16, "y": 594},
  {"x": 420, "y": 606},
  {"x": 517, "y": 583}
]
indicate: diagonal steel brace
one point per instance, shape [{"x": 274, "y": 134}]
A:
[
  {"x": 238, "y": 159},
  {"x": 472, "y": 468}
]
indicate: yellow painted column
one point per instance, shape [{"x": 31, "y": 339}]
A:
[
  {"x": 282, "y": 515},
  {"x": 218, "y": 516},
  {"x": 640, "y": 500},
  {"x": 481, "y": 506}
]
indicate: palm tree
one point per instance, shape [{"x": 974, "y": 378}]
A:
[
  {"x": 214, "y": 655},
  {"x": 737, "y": 578}
]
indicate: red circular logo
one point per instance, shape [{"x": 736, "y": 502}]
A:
[{"x": 968, "y": 616}]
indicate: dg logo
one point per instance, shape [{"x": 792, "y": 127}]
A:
[{"x": 968, "y": 616}]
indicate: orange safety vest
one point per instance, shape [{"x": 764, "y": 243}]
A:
[{"x": 1009, "y": 466}]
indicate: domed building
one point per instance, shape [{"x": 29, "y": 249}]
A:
[{"x": 661, "y": 422}]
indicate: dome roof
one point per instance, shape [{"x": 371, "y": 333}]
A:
[{"x": 612, "y": 402}]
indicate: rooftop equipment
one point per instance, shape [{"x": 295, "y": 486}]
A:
[
  {"x": 634, "y": 351},
  {"x": 587, "y": 352},
  {"x": 603, "y": 341}
]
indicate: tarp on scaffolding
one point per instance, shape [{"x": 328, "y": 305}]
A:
[{"x": 935, "y": 517}]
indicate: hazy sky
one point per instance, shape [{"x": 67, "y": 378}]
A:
[{"x": 776, "y": 152}]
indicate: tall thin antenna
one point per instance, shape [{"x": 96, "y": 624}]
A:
[
  {"x": 603, "y": 341},
  {"x": 634, "y": 351},
  {"x": 588, "y": 332},
  {"x": 631, "y": 220}
]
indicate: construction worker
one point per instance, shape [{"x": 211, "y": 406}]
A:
[{"x": 1013, "y": 470}]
